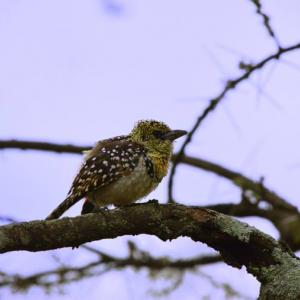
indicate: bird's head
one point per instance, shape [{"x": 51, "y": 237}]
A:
[{"x": 155, "y": 136}]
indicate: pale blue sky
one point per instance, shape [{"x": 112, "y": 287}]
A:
[{"x": 79, "y": 71}]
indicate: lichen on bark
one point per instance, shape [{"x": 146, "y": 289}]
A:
[{"x": 273, "y": 264}]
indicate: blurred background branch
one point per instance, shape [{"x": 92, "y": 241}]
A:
[{"x": 106, "y": 262}]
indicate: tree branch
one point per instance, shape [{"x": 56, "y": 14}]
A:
[
  {"x": 214, "y": 102},
  {"x": 283, "y": 215},
  {"x": 238, "y": 243},
  {"x": 245, "y": 183},
  {"x": 104, "y": 263},
  {"x": 43, "y": 146},
  {"x": 237, "y": 178},
  {"x": 266, "y": 21},
  {"x": 164, "y": 221}
]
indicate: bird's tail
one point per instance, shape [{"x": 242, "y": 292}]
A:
[{"x": 61, "y": 208}]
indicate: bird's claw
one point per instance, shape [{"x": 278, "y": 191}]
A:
[{"x": 153, "y": 201}]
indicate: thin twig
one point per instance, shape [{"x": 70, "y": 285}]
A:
[
  {"x": 106, "y": 262},
  {"x": 266, "y": 21},
  {"x": 67, "y": 274},
  {"x": 230, "y": 85}
]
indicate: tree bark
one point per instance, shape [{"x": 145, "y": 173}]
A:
[{"x": 272, "y": 263}]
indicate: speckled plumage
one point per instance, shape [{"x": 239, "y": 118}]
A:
[
  {"x": 126, "y": 189},
  {"x": 121, "y": 170}
]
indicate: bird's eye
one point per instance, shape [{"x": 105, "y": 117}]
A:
[
  {"x": 145, "y": 138},
  {"x": 158, "y": 134}
]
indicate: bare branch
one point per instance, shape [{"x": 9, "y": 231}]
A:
[
  {"x": 266, "y": 21},
  {"x": 282, "y": 214},
  {"x": 238, "y": 243},
  {"x": 164, "y": 221},
  {"x": 43, "y": 146},
  {"x": 241, "y": 210},
  {"x": 143, "y": 259},
  {"x": 237, "y": 178},
  {"x": 104, "y": 263},
  {"x": 274, "y": 265},
  {"x": 214, "y": 102},
  {"x": 45, "y": 279},
  {"x": 245, "y": 183}
]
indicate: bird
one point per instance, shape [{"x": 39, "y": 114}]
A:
[{"x": 121, "y": 170}]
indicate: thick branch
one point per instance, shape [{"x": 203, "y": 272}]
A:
[
  {"x": 238, "y": 243},
  {"x": 284, "y": 216}
]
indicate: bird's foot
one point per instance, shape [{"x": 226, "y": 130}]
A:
[{"x": 153, "y": 201}]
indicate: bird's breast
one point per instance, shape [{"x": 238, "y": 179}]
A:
[{"x": 126, "y": 189}]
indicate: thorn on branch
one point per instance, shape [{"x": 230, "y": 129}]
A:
[{"x": 244, "y": 66}]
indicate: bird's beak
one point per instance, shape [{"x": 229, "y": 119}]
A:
[{"x": 173, "y": 134}]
